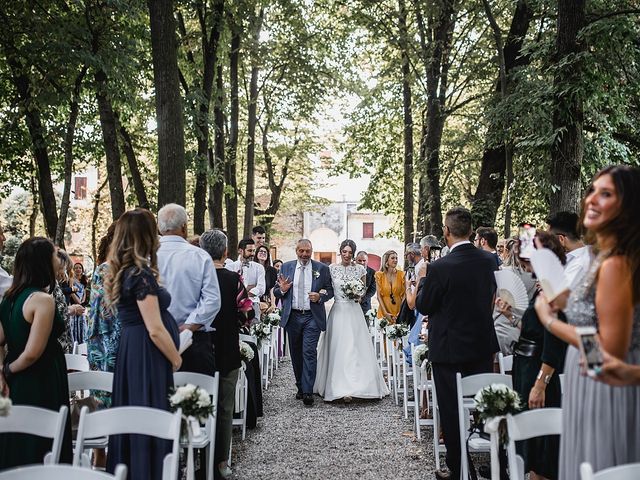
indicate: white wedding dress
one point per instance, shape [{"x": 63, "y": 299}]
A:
[{"x": 347, "y": 365}]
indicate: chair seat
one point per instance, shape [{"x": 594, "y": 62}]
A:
[
  {"x": 200, "y": 441},
  {"x": 479, "y": 444}
]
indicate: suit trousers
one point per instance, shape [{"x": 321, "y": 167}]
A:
[
  {"x": 224, "y": 420},
  {"x": 199, "y": 357},
  {"x": 304, "y": 333},
  {"x": 444, "y": 376}
]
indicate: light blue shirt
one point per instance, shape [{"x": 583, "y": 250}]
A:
[{"x": 188, "y": 274}]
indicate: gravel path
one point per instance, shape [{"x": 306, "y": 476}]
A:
[{"x": 363, "y": 440}]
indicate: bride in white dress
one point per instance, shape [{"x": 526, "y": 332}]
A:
[{"x": 347, "y": 365}]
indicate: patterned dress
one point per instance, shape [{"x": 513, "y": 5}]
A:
[
  {"x": 63, "y": 310},
  {"x": 103, "y": 331},
  {"x": 600, "y": 423}
]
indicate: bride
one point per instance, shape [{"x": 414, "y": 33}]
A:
[{"x": 347, "y": 364}]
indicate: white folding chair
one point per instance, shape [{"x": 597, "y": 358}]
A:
[
  {"x": 468, "y": 387},
  {"x": 91, "y": 380},
  {"x": 76, "y": 362},
  {"x": 421, "y": 390},
  {"x": 526, "y": 425},
  {"x": 241, "y": 399},
  {"x": 265, "y": 357},
  {"x": 391, "y": 365},
  {"x": 561, "y": 376},
  {"x": 62, "y": 472},
  {"x": 437, "y": 448},
  {"x": 131, "y": 420},
  {"x": 208, "y": 440},
  {"x": 39, "y": 422},
  {"x": 505, "y": 362},
  {"x": 630, "y": 471}
]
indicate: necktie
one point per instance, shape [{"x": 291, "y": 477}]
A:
[{"x": 301, "y": 288}]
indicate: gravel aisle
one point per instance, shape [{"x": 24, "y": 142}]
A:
[{"x": 363, "y": 440}]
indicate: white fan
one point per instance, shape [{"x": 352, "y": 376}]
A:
[
  {"x": 186, "y": 339},
  {"x": 511, "y": 289},
  {"x": 550, "y": 273}
]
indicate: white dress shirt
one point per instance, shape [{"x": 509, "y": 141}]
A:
[
  {"x": 188, "y": 274},
  {"x": 302, "y": 303},
  {"x": 578, "y": 264},
  {"x": 5, "y": 282}
]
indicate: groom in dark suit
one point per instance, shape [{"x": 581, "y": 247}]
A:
[
  {"x": 304, "y": 285},
  {"x": 370, "y": 282},
  {"x": 457, "y": 294}
]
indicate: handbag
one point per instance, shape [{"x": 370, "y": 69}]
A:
[
  {"x": 406, "y": 315},
  {"x": 75, "y": 406}
]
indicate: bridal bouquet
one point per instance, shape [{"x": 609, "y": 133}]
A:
[
  {"x": 194, "y": 402},
  {"x": 5, "y": 406},
  {"x": 353, "y": 289},
  {"x": 261, "y": 331},
  {"x": 246, "y": 352}
]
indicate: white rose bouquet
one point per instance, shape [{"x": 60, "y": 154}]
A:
[
  {"x": 261, "y": 331},
  {"x": 421, "y": 357},
  {"x": 272, "y": 318},
  {"x": 397, "y": 331},
  {"x": 353, "y": 289},
  {"x": 5, "y": 406},
  {"x": 371, "y": 316},
  {"x": 246, "y": 352},
  {"x": 382, "y": 323},
  {"x": 194, "y": 402},
  {"x": 492, "y": 401}
]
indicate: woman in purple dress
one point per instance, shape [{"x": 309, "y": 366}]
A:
[{"x": 148, "y": 354}]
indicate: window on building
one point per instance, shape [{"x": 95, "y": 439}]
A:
[
  {"x": 367, "y": 230},
  {"x": 80, "y": 191}
]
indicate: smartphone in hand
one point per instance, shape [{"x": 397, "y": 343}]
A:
[{"x": 590, "y": 352}]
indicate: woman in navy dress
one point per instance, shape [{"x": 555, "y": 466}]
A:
[{"x": 148, "y": 355}]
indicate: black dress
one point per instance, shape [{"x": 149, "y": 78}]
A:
[
  {"x": 142, "y": 376},
  {"x": 270, "y": 279},
  {"x": 227, "y": 327},
  {"x": 540, "y": 454}
]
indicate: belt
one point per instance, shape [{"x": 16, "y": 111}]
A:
[
  {"x": 526, "y": 348},
  {"x": 301, "y": 311}
]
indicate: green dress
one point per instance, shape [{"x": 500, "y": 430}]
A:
[{"x": 44, "y": 384}]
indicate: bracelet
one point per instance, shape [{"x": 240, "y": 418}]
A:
[
  {"x": 548, "y": 324},
  {"x": 6, "y": 372}
]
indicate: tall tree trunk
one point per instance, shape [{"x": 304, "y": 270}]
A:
[
  {"x": 134, "y": 170},
  {"x": 37, "y": 133},
  {"x": 94, "y": 219},
  {"x": 250, "y": 193},
  {"x": 216, "y": 189},
  {"x": 491, "y": 182},
  {"x": 74, "y": 109},
  {"x": 164, "y": 49},
  {"x": 111, "y": 149},
  {"x": 436, "y": 60},
  {"x": 33, "y": 217},
  {"x": 231, "y": 193},
  {"x": 408, "y": 123},
  {"x": 568, "y": 148}
]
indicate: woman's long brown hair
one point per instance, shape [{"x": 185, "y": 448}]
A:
[{"x": 135, "y": 244}]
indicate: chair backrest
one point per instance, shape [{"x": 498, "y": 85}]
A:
[
  {"x": 40, "y": 422},
  {"x": 530, "y": 424},
  {"x": 505, "y": 362},
  {"x": 79, "y": 348},
  {"x": 630, "y": 471},
  {"x": 466, "y": 387},
  {"x": 248, "y": 338},
  {"x": 62, "y": 472},
  {"x": 91, "y": 380},
  {"x": 76, "y": 362},
  {"x": 131, "y": 420},
  {"x": 561, "y": 376},
  {"x": 208, "y": 383}
]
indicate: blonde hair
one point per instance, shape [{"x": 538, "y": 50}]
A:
[
  {"x": 385, "y": 259},
  {"x": 135, "y": 243}
]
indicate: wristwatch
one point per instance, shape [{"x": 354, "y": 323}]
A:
[{"x": 545, "y": 378}]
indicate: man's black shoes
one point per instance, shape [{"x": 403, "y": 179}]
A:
[
  {"x": 299, "y": 396},
  {"x": 307, "y": 399}
]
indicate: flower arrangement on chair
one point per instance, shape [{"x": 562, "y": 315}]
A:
[
  {"x": 396, "y": 332},
  {"x": 495, "y": 400},
  {"x": 272, "y": 318},
  {"x": 371, "y": 316},
  {"x": 261, "y": 331},
  {"x": 246, "y": 352},
  {"x": 382, "y": 323},
  {"x": 194, "y": 401},
  {"x": 421, "y": 357}
]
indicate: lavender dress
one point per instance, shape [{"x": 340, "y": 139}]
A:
[{"x": 600, "y": 424}]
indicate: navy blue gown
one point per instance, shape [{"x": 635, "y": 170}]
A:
[{"x": 142, "y": 376}]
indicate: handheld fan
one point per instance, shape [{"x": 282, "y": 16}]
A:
[
  {"x": 511, "y": 289},
  {"x": 550, "y": 273},
  {"x": 186, "y": 339}
]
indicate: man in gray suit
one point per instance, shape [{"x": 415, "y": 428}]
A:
[{"x": 304, "y": 285}]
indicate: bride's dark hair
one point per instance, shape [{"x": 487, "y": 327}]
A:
[{"x": 349, "y": 243}]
